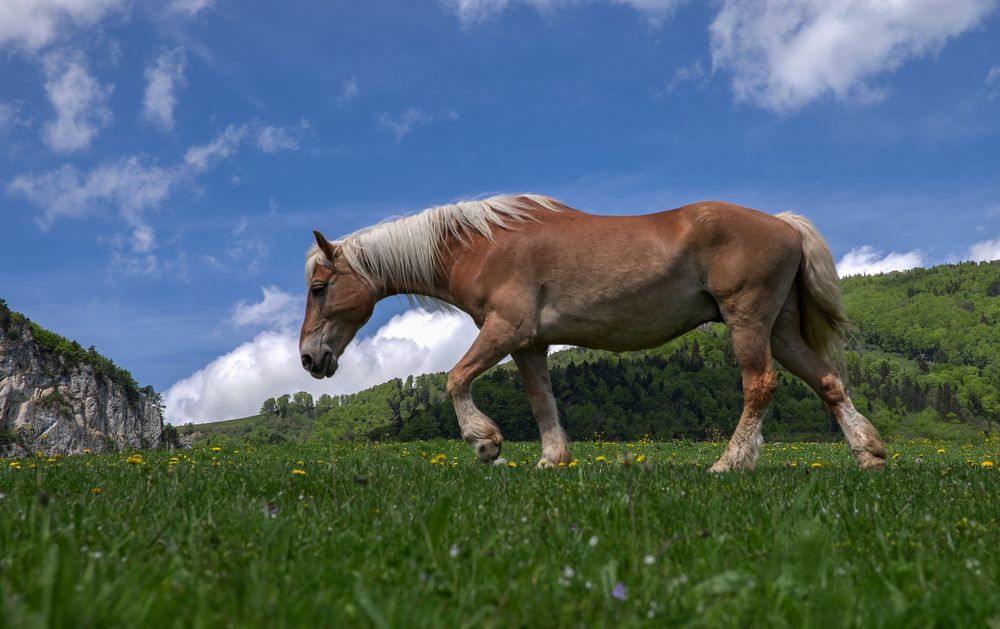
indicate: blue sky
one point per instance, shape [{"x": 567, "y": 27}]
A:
[{"x": 163, "y": 163}]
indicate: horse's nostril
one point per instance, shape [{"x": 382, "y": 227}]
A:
[{"x": 307, "y": 362}]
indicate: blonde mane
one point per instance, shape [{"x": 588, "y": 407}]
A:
[{"x": 406, "y": 251}]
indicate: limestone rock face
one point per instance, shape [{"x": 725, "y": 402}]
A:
[{"x": 50, "y": 405}]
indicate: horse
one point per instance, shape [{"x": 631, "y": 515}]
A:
[{"x": 533, "y": 272}]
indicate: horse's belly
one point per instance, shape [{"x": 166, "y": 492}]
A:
[{"x": 625, "y": 323}]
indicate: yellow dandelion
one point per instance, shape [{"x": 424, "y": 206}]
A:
[
  {"x": 986, "y": 465},
  {"x": 897, "y": 455},
  {"x": 299, "y": 472},
  {"x": 511, "y": 464},
  {"x": 52, "y": 460},
  {"x": 572, "y": 463},
  {"x": 86, "y": 450},
  {"x": 640, "y": 458},
  {"x": 438, "y": 459},
  {"x": 601, "y": 458},
  {"x": 15, "y": 465},
  {"x": 940, "y": 450},
  {"x": 216, "y": 449},
  {"x": 816, "y": 466},
  {"x": 562, "y": 464},
  {"x": 173, "y": 461},
  {"x": 135, "y": 459},
  {"x": 95, "y": 490}
]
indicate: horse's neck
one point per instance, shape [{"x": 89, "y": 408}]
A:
[{"x": 441, "y": 290}]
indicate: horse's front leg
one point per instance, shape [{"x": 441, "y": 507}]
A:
[
  {"x": 534, "y": 368},
  {"x": 496, "y": 339}
]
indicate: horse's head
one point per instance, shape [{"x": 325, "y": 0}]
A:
[{"x": 339, "y": 302}]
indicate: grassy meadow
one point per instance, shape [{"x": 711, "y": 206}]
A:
[{"x": 419, "y": 534}]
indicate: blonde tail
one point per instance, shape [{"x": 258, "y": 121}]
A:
[{"x": 825, "y": 326}]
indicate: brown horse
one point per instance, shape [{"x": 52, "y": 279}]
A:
[{"x": 533, "y": 272}]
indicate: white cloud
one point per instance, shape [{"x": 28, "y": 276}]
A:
[
  {"x": 235, "y": 384},
  {"x": 993, "y": 75},
  {"x": 33, "y": 24},
  {"x": 274, "y": 139},
  {"x": 277, "y": 310},
  {"x": 405, "y": 122},
  {"x": 785, "y": 53},
  {"x": 472, "y": 11},
  {"x": 200, "y": 158},
  {"x": 163, "y": 80},
  {"x": 81, "y": 105},
  {"x": 348, "y": 90},
  {"x": 985, "y": 251},
  {"x": 133, "y": 186},
  {"x": 190, "y": 7},
  {"x": 684, "y": 74},
  {"x": 130, "y": 184},
  {"x": 868, "y": 261},
  {"x": 8, "y": 114}
]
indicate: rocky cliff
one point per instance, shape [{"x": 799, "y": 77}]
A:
[{"x": 56, "y": 397}]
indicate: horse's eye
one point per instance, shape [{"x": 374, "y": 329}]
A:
[{"x": 317, "y": 289}]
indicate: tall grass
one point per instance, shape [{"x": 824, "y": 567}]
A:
[{"x": 420, "y": 534}]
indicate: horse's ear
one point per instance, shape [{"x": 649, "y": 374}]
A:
[{"x": 325, "y": 246}]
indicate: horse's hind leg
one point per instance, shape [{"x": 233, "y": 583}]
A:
[
  {"x": 534, "y": 368},
  {"x": 752, "y": 347},
  {"x": 495, "y": 341},
  {"x": 792, "y": 351}
]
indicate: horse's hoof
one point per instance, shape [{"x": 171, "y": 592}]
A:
[
  {"x": 488, "y": 451},
  {"x": 871, "y": 463},
  {"x": 719, "y": 467}
]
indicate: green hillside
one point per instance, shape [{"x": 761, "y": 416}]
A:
[{"x": 923, "y": 363}]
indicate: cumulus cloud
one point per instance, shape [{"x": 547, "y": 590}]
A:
[
  {"x": 130, "y": 184},
  {"x": 684, "y": 74},
  {"x": 985, "y": 251},
  {"x": 235, "y": 384},
  {"x": 274, "y": 139},
  {"x": 8, "y": 114},
  {"x": 782, "y": 54},
  {"x": 867, "y": 260},
  {"x": 33, "y": 24},
  {"x": 472, "y": 11},
  {"x": 277, "y": 309},
  {"x": 164, "y": 78},
  {"x": 348, "y": 90},
  {"x": 405, "y": 122},
  {"x": 189, "y": 7},
  {"x": 81, "y": 105},
  {"x": 132, "y": 187},
  {"x": 200, "y": 158}
]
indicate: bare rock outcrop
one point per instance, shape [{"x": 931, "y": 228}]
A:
[{"x": 55, "y": 402}]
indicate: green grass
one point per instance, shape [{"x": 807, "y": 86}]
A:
[{"x": 376, "y": 535}]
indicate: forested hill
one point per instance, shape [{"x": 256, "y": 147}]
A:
[{"x": 924, "y": 362}]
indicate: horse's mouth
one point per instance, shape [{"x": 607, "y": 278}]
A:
[
  {"x": 325, "y": 371},
  {"x": 323, "y": 368}
]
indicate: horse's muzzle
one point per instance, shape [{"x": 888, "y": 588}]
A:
[{"x": 324, "y": 366}]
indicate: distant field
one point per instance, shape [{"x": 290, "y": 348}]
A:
[{"x": 419, "y": 534}]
